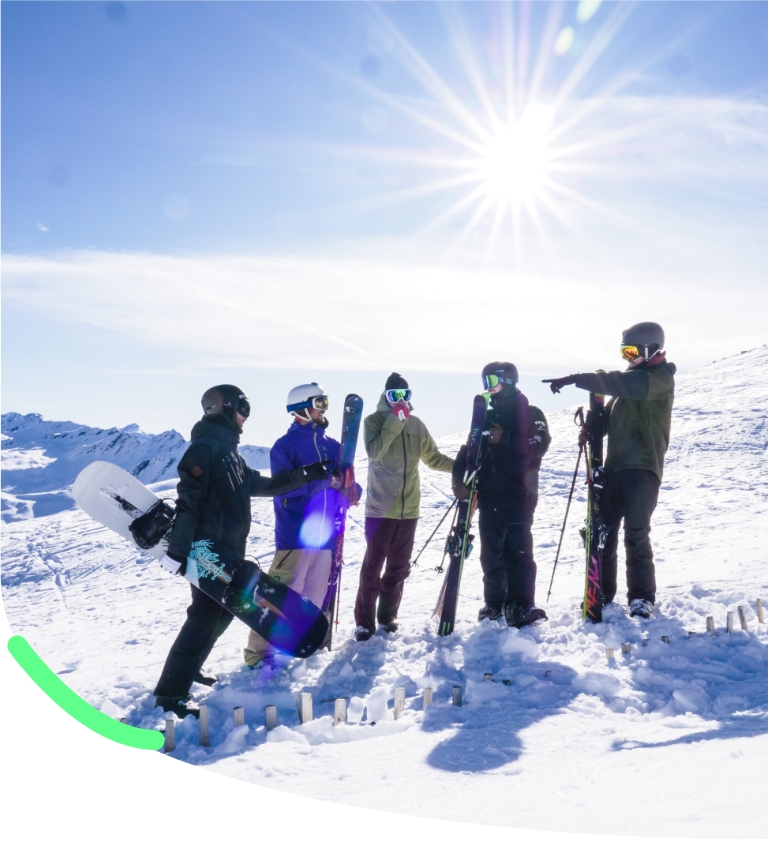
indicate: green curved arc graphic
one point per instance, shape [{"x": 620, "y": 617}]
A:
[{"x": 42, "y": 675}]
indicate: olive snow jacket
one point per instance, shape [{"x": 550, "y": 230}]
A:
[
  {"x": 394, "y": 449},
  {"x": 215, "y": 488},
  {"x": 639, "y": 414}
]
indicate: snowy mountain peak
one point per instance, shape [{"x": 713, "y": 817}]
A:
[{"x": 41, "y": 458}]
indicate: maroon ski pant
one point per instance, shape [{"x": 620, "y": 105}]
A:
[{"x": 389, "y": 541}]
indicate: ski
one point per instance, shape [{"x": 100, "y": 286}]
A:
[
  {"x": 459, "y": 542},
  {"x": 350, "y": 428},
  {"x": 595, "y": 531}
]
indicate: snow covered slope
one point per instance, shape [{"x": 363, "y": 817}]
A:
[
  {"x": 668, "y": 739},
  {"x": 41, "y": 459}
]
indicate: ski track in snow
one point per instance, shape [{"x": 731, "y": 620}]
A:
[{"x": 670, "y": 739}]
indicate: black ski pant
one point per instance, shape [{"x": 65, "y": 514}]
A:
[
  {"x": 631, "y": 495},
  {"x": 378, "y": 596},
  {"x": 206, "y": 622},
  {"x": 506, "y": 555}
]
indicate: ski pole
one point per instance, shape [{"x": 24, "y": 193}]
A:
[
  {"x": 413, "y": 563},
  {"x": 579, "y": 420}
]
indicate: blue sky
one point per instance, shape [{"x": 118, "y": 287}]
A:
[{"x": 279, "y": 192}]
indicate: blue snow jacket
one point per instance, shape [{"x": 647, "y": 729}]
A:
[{"x": 309, "y": 517}]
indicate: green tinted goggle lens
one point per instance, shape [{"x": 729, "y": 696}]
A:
[
  {"x": 491, "y": 381},
  {"x": 395, "y": 396}
]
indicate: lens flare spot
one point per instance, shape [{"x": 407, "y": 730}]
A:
[
  {"x": 586, "y": 10},
  {"x": 564, "y": 41}
]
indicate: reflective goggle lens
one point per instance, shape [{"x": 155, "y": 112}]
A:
[
  {"x": 491, "y": 381},
  {"x": 244, "y": 407},
  {"x": 320, "y": 402},
  {"x": 395, "y": 396},
  {"x": 630, "y": 352}
]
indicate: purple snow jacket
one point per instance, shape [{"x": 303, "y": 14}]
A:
[{"x": 308, "y": 517}]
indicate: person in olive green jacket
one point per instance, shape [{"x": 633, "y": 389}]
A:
[
  {"x": 639, "y": 420},
  {"x": 395, "y": 441}
]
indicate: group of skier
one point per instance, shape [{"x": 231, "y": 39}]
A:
[{"x": 216, "y": 486}]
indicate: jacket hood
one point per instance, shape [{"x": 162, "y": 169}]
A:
[
  {"x": 383, "y": 404},
  {"x": 215, "y": 426},
  {"x": 505, "y": 400}
]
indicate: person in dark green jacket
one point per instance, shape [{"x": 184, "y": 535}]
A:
[{"x": 639, "y": 420}]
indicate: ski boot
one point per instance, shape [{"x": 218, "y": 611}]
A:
[
  {"x": 362, "y": 633},
  {"x": 204, "y": 679},
  {"x": 518, "y": 615},
  {"x": 390, "y": 627},
  {"x": 488, "y": 612},
  {"x": 640, "y": 608}
]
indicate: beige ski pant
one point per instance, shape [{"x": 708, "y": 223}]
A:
[{"x": 304, "y": 570}]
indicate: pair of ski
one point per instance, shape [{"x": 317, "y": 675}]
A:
[
  {"x": 289, "y": 621},
  {"x": 460, "y": 538}
]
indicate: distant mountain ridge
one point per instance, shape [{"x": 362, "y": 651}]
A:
[{"x": 41, "y": 459}]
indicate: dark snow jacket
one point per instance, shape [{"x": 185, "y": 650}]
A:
[
  {"x": 215, "y": 488},
  {"x": 308, "y": 517},
  {"x": 640, "y": 414},
  {"x": 509, "y": 475}
]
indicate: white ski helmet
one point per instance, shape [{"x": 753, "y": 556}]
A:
[{"x": 300, "y": 398}]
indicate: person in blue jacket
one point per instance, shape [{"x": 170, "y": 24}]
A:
[{"x": 306, "y": 520}]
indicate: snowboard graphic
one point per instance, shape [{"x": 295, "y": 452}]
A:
[
  {"x": 459, "y": 538},
  {"x": 350, "y": 428},
  {"x": 289, "y": 621}
]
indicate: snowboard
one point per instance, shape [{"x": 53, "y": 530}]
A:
[
  {"x": 459, "y": 541},
  {"x": 595, "y": 531},
  {"x": 350, "y": 428},
  {"x": 289, "y": 621}
]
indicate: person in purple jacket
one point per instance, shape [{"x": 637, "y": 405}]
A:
[{"x": 307, "y": 519}]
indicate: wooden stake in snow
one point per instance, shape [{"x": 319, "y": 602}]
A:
[
  {"x": 399, "y": 702},
  {"x": 645, "y": 641},
  {"x": 239, "y": 715},
  {"x": 609, "y": 653},
  {"x": 743, "y": 619},
  {"x": 170, "y": 736},
  {"x": 729, "y": 622},
  {"x": 711, "y": 626},
  {"x": 304, "y": 705},
  {"x": 760, "y": 617},
  {"x": 205, "y": 738},
  {"x": 340, "y": 711},
  {"x": 487, "y": 677},
  {"x": 665, "y": 638},
  {"x": 427, "y": 698},
  {"x": 270, "y": 717},
  {"x": 456, "y": 695},
  {"x": 626, "y": 648}
]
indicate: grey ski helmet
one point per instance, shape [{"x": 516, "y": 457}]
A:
[
  {"x": 647, "y": 336},
  {"x": 225, "y": 399}
]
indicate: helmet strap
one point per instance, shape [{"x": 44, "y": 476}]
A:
[{"x": 304, "y": 419}]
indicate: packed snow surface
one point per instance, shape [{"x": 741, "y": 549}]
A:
[{"x": 670, "y": 738}]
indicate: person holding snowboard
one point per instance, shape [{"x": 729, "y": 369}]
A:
[
  {"x": 507, "y": 493},
  {"x": 639, "y": 418},
  {"x": 395, "y": 441},
  {"x": 214, "y": 496},
  {"x": 307, "y": 520}
]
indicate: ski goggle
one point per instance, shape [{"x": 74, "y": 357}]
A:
[
  {"x": 492, "y": 381},
  {"x": 630, "y": 352},
  {"x": 243, "y": 406},
  {"x": 319, "y": 402},
  {"x": 396, "y": 396}
]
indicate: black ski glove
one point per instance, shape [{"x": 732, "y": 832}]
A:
[
  {"x": 315, "y": 472},
  {"x": 556, "y": 384}
]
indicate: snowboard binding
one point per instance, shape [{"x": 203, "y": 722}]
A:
[{"x": 150, "y": 528}]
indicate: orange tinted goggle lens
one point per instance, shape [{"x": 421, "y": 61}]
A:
[{"x": 630, "y": 352}]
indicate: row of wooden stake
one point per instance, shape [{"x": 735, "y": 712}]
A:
[
  {"x": 304, "y": 706},
  {"x": 627, "y": 647}
]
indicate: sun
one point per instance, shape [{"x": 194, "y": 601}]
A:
[{"x": 514, "y": 166}]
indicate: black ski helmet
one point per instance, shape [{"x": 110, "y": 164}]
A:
[
  {"x": 647, "y": 336},
  {"x": 506, "y": 373},
  {"x": 225, "y": 399}
]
